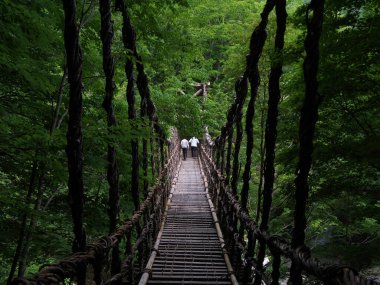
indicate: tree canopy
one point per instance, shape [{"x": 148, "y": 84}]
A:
[{"x": 183, "y": 43}]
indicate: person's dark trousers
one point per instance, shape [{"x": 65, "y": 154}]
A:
[
  {"x": 184, "y": 151},
  {"x": 193, "y": 151}
]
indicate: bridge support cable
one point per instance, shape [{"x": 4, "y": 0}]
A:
[
  {"x": 106, "y": 34},
  {"x": 142, "y": 85},
  {"x": 145, "y": 159},
  {"x": 271, "y": 130},
  {"x": 74, "y": 148},
  {"x": 129, "y": 41},
  {"x": 309, "y": 117},
  {"x": 241, "y": 90},
  {"x": 222, "y": 155},
  {"x": 229, "y": 154},
  {"x": 152, "y": 156},
  {"x": 157, "y": 156},
  {"x": 148, "y": 109},
  {"x": 147, "y": 106},
  {"x": 257, "y": 42}
]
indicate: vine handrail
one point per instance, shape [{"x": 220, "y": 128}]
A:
[
  {"x": 230, "y": 212},
  {"x": 96, "y": 254}
]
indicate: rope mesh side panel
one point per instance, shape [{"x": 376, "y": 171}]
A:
[
  {"x": 69, "y": 267},
  {"x": 328, "y": 273}
]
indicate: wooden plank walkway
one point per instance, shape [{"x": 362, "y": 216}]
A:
[{"x": 189, "y": 251}]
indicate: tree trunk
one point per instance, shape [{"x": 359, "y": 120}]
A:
[
  {"x": 59, "y": 100},
  {"x": 32, "y": 224},
  {"x": 20, "y": 242}
]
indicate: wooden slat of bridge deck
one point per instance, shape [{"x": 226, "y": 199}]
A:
[{"x": 189, "y": 250}]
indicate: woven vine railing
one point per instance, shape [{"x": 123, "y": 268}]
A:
[
  {"x": 136, "y": 236},
  {"x": 232, "y": 218},
  {"x": 242, "y": 234}
]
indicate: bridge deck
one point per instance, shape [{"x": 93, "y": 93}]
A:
[{"x": 189, "y": 250}]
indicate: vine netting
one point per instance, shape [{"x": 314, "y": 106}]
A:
[
  {"x": 95, "y": 260},
  {"x": 241, "y": 232}
]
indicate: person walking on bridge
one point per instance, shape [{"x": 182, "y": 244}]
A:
[
  {"x": 194, "y": 146},
  {"x": 185, "y": 146}
]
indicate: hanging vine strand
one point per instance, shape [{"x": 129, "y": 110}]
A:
[
  {"x": 74, "y": 132},
  {"x": 271, "y": 128},
  {"x": 129, "y": 40},
  {"x": 309, "y": 116},
  {"x": 106, "y": 34},
  {"x": 258, "y": 39}
]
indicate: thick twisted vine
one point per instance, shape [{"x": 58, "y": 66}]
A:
[
  {"x": 241, "y": 89},
  {"x": 258, "y": 39},
  {"x": 229, "y": 154},
  {"x": 129, "y": 40},
  {"x": 271, "y": 129},
  {"x": 309, "y": 116},
  {"x": 106, "y": 34},
  {"x": 147, "y": 109},
  {"x": 74, "y": 132}
]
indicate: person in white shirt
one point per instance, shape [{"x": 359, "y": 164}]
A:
[
  {"x": 185, "y": 146},
  {"x": 194, "y": 146}
]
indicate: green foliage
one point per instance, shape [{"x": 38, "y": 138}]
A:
[
  {"x": 182, "y": 43},
  {"x": 344, "y": 187}
]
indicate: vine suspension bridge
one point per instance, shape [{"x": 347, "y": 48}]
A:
[{"x": 193, "y": 227}]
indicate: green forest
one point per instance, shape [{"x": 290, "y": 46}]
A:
[{"x": 183, "y": 43}]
